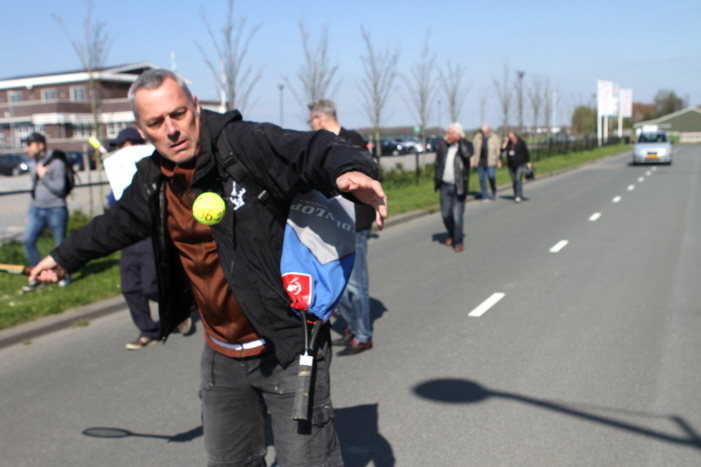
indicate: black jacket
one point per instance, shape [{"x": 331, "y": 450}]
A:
[
  {"x": 517, "y": 154},
  {"x": 249, "y": 239},
  {"x": 364, "y": 214},
  {"x": 461, "y": 165}
]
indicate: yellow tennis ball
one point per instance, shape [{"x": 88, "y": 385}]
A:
[{"x": 209, "y": 208}]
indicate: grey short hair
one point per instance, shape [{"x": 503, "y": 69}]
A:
[
  {"x": 457, "y": 129},
  {"x": 323, "y": 107},
  {"x": 153, "y": 79}
]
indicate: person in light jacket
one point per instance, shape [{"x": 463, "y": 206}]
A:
[{"x": 486, "y": 159}]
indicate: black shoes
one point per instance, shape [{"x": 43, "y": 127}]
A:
[
  {"x": 355, "y": 347},
  {"x": 345, "y": 340}
]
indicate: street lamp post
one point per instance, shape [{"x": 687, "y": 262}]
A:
[
  {"x": 282, "y": 87},
  {"x": 520, "y": 100}
]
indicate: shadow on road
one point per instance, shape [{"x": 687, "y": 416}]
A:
[
  {"x": 461, "y": 391},
  {"x": 105, "y": 432},
  {"x": 361, "y": 442}
]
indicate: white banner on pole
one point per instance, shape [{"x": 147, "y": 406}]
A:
[
  {"x": 606, "y": 100},
  {"x": 625, "y": 97}
]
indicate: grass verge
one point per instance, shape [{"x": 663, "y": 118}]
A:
[
  {"x": 96, "y": 281},
  {"x": 404, "y": 194}
]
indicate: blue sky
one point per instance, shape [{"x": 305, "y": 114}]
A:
[{"x": 643, "y": 45}]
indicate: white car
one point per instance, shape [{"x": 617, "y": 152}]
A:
[{"x": 652, "y": 148}]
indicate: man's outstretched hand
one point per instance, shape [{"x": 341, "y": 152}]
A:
[
  {"x": 366, "y": 190},
  {"x": 45, "y": 271}
]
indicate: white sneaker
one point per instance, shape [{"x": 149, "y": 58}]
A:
[
  {"x": 518, "y": 200},
  {"x": 65, "y": 281}
]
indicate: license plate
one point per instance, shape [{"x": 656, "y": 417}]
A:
[{"x": 652, "y": 155}]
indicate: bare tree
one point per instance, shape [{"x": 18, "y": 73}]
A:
[
  {"x": 482, "y": 101},
  {"x": 316, "y": 75},
  {"x": 536, "y": 98},
  {"x": 547, "y": 106},
  {"x": 92, "y": 52},
  {"x": 519, "y": 97},
  {"x": 454, "y": 88},
  {"x": 235, "y": 81},
  {"x": 422, "y": 86},
  {"x": 504, "y": 94},
  {"x": 380, "y": 72}
]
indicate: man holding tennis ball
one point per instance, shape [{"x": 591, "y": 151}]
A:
[{"x": 225, "y": 256}]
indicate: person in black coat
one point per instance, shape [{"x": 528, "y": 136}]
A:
[
  {"x": 517, "y": 159},
  {"x": 451, "y": 180}
]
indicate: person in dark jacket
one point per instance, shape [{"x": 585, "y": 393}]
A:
[
  {"x": 451, "y": 180},
  {"x": 517, "y": 159},
  {"x": 230, "y": 269},
  {"x": 354, "y": 305}
]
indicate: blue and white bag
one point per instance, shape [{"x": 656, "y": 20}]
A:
[{"x": 318, "y": 252}]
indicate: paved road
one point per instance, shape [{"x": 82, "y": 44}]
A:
[{"x": 589, "y": 358}]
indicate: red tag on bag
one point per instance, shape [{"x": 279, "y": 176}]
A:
[{"x": 299, "y": 287}]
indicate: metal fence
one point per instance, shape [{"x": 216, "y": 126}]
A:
[{"x": 564, "y": 145}]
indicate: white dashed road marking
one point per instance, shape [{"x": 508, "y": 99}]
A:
[
  {"x": 486, "y": 305},
  {"x": 616, "y": 199},
  {"x": 594, "y": 216},
  {"x": 631, "y": 187},
  {"x": 648, "y": 173},
  {"x": 641, "y": 179},
  {"x": 559, "y": 246}
]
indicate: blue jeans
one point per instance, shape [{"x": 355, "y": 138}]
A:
[
  {"x": 490, "y": 172},
  {"x": 237, "y": 393},
  {"x": 517, "y": 180},
  {"x": 39, "y": 218},
  {"x": 354, "y": 305},
  {"x": 452, "y": 210}
]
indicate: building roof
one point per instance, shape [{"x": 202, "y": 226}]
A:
[
  {"x": 124, "y": 73},
  {"x": 684, "y": 120}
]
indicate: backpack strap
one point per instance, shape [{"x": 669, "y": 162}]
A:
[{"x": 232, "y": 165}]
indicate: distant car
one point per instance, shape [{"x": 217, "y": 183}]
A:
[
  {"x": 392, "y": 147},
  {"x": 14, "y": 164},
  {"x": 432, "y": 144},
  {"x": 652, "y": 148},
  {"x": 76, "y": 158},
  {"x": 412, "y": 145}
]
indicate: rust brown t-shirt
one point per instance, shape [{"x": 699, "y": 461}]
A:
[{"x": 225, "y": 324}]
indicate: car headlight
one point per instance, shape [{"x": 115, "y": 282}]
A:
[
  {"x": 24, "y": 166},
  {"x": 661, "y": 152}
]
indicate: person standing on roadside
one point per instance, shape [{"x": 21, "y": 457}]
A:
[
  {"x": 47, "y": 206},
  {"x": 137, "y": 269},
  {"x": 451, "y": 180},
  {"x": 486, "y": 159},
  {"x": 231, "y": 269},
  {"x": 354, "y": 305},
  {"x": 517, "y": 159}
]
